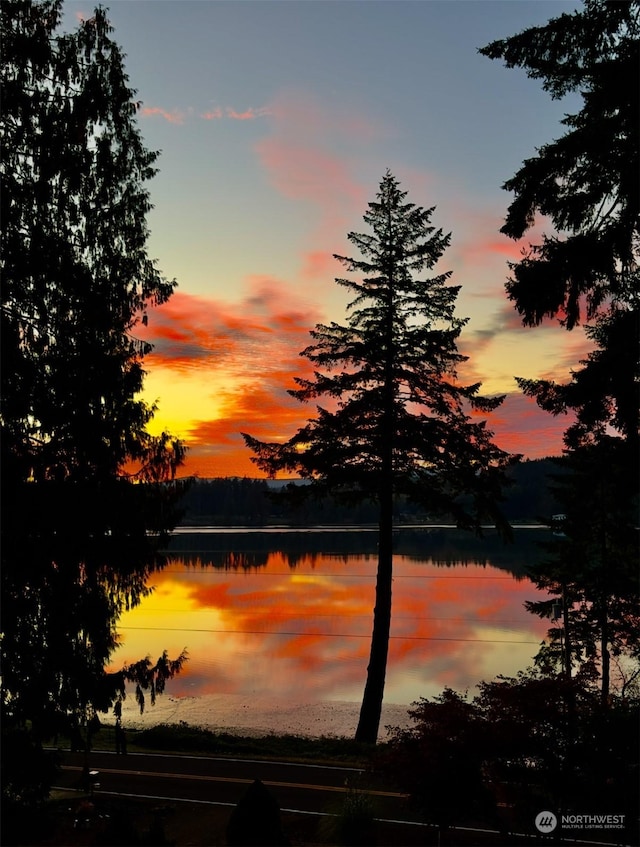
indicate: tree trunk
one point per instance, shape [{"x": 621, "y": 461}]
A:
[
  {"x": 605, "y": 655},
  {"x": 568, "y": 648},
  {"x": 371, "y": 708},
  {"x": 369, "y": 722}
]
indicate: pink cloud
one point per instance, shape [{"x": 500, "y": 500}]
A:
[
  {"x": 268, "y": 326},
  {"x": 308, "y": 173},
  {"x": 248, "y": 115},
  {"x": 317, "y": 264},
  {"x": 177, "y": 116},
  {"x": 300, "y": 159},
  {"x": 521, "y": 426},
  {"x": 213, "y": 114},
  {"x": 174, "y": 117}
]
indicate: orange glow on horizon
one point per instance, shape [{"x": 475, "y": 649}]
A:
[{"x": 220, "y": 368}]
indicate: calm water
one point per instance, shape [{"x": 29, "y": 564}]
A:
[{"x": 267, "y": 613}]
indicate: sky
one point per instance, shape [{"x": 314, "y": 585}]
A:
[{"x": 276, "y": 121}]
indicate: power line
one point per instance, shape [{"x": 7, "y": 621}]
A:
[
  {"x": 275, "y": 614},
  {"x": 249, "y": 571},
  {"x": 323, "y": 634}
]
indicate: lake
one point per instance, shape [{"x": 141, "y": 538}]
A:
[{"x": 276, "y": 618}]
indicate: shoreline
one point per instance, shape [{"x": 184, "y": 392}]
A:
[
  {"x": 365, "y": 527},
  {"x": 243, "y": 715}
]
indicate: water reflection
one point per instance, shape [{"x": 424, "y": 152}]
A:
[{"x": 290, "y": 614}]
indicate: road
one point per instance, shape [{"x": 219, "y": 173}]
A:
[
  {"x": 207, "y": 779},
  {"x": 305, "y": 789}
]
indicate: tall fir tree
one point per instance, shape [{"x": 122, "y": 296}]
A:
[
  {"x": 586, "y": 186},
  {"x": 78, "y": 536},
  {"x": 584, "y": 182},
  {"x": 397, "y": 421}
]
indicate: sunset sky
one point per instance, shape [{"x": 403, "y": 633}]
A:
[{"x": 276, "y": 122}]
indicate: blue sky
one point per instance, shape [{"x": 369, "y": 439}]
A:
[{"x": 276, "y": 122}]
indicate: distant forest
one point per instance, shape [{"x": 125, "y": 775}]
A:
[{"x": 233, "y": 501}]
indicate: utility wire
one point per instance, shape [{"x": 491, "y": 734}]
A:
[
  {"x": 274, "y": 614},
  {"x": 324, "y": 634},
  {"x": 249, "y": 571}
]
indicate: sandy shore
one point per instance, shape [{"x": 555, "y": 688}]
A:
[{"x": 240, "y": 714}]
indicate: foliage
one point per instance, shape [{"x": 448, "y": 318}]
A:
[
  {"x": 397, "y": 421},
  {"x": 536, "y": 741},
  {"x": 591, "y": 571},
  {"x": 88, "y": 493},
  {"x": 76, "y": 276},
  {"x": 351, "y": 821},
  {"x": 585, "y": 182},
  {"x": 442, "y": 761},
  {"x": 391, "y": 372},
  {"x": 255, "y": 821},
  {"x": 603, "y": 393},
  {"x": 27, "y": 770},
  {"x": 185, "y": 738}
]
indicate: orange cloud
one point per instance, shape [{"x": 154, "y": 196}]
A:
[
  {"x": 484, "y": 247},
  {"x": 247, "y": 355},
  {"x": 265, "y": 329},
  {"x": 241, "y": 358},
  {"x": 177, "y": 116},
  {"x": 521, "y": 426}
]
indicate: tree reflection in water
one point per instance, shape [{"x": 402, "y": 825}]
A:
[{"x": 289, "y": 614}]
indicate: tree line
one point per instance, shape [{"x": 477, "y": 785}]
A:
[{"x": 242, "y": 501}]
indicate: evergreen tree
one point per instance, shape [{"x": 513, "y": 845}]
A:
[
  {"x": 591, "y": 573},
  {"x": 396, "y": 421},
  {"x": 77, "y": 279},
  {"x": 586, "y": 184},
  {"x": 78, "y": 536}
]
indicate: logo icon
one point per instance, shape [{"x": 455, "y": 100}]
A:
[{"x": 546, "y": 821}]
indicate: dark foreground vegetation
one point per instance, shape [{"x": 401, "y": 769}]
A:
[
  {"x": 476, "y": 770},
  {"x": 144, "y": 823},
  {"x": 182, "y": 738}
]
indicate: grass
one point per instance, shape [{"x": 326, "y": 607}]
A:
[{"x": 184, "y": 738}]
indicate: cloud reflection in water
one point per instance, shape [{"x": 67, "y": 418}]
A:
[{"x": 296, "y": 625}]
